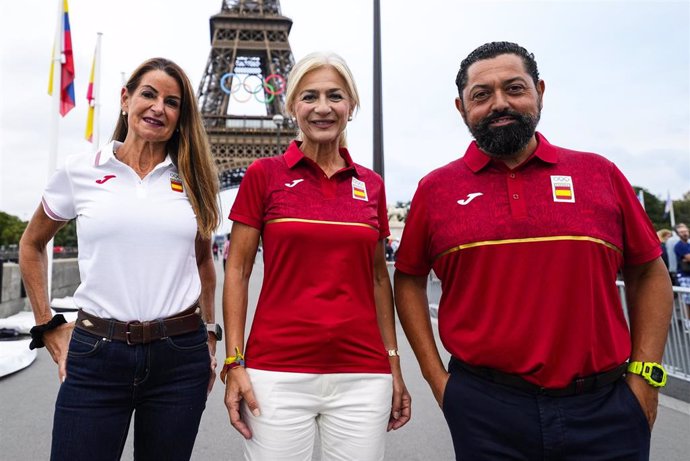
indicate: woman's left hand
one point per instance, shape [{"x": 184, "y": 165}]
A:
[
  {"x": 401, "y": 408},
  {"x": 214, "y": 363}
]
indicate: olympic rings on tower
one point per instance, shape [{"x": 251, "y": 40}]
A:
[{"x": 272, "y": 85}]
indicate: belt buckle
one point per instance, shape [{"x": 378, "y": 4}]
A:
[
  {"x": 580, "y": 386},
  {"x": 128, "y": 333}
]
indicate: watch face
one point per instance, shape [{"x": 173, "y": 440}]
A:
[{"x": 657, "y": 374}]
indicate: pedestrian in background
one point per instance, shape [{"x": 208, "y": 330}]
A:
[
  {"x": 682, "y": 252},
  {"x": 215, "y": 251},
  {"x": 226, "y": 250}
]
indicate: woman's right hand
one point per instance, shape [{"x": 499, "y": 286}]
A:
[
  {"x": 57, "y": 343},
  {"x": 238, "y": 386}
]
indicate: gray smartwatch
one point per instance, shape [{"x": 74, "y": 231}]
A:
[{"x": 215, "y": 330}]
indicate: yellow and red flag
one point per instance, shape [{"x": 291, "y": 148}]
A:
[
  {"x": 62, "y": 49},
  {"x": 91, "y": 98}
]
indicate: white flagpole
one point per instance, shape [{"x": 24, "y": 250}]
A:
[
  {"x": 55, "y": 122},
  {"x": 673, "y": 216},
  {"x": 97, "y": 94},
  {"x": 640, "y": 198}
]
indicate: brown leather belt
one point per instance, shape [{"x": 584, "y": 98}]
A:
[
  {"x": 578, "y": 386},
  {"x": 137, "y": 332}
]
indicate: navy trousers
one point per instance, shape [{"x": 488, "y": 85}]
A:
[
  {"x": 163, "y": 383},
  {"x": 490, "y": 421}
]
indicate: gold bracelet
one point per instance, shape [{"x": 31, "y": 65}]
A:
[{"x": 393, "y": 353}]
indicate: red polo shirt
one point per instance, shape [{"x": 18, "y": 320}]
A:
[
  {"x": 528, "y": 260},
  {"x": 316, "y": 311}
]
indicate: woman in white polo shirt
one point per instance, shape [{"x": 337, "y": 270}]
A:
[
  {"x": 322, "y": 353},
  {"x": 145, "y": 206}
]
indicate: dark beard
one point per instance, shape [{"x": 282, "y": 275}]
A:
[{"x": 505, "y": 141}]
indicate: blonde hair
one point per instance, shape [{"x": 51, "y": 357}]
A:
[
  {"x": 188, "y": 147},
  {"x": 314, "y": 61},
  {"x": 664, "y": 234}
]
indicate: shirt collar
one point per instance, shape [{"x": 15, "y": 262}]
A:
[
  {"x": 107, "y": 152},
  {"x": 294, "y": 155},
  {"x": 476, "y": 159}
]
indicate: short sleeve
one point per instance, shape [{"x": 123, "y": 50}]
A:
[
  {"x": 384, "y": 228},
  {"x": 413, "y": 253},
  {"x": 249, "y": 207},
  {"x": 58, "y": 196},
  {"x": 641, "y": 244}
]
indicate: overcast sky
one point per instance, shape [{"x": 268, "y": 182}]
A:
[{"x": 617, "y": 77}]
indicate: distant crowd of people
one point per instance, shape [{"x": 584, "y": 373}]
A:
[
  {"x": 675, "y": 251},
  {"x": 392, "y": 245}
]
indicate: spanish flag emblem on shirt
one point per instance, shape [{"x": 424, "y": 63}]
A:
[
  {"x": 175, "y": 182},
  {"x": 562, "y": 188},
  {"x": 359, "y": 190}
]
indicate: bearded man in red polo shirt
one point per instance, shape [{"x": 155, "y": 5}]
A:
[{"x": 527, "y": 239}]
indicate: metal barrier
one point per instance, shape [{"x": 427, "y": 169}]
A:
[{"x": 676, "y": 358}]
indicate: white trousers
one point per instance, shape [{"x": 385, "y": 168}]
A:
[{"x": 349, "y": 410}]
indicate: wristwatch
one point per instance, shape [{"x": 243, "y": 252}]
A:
[
  {"x": 652, "y": 372},
  {"x": 215, "y": 330}
]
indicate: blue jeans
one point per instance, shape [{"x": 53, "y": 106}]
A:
[
  {"x": 489, "y": 421},
  {"x": 163, "y": 383}
]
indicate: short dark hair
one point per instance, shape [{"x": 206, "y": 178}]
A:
[{"x": 491, "y": 50}]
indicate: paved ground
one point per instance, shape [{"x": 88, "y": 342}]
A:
[{"x": 27, "y": 400}]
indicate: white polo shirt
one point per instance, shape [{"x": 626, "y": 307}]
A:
[{"x": 137, "y": 258}]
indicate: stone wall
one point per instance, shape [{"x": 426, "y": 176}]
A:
[{"x": 65, "y": 282}]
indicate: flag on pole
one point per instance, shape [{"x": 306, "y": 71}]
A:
[
  {"x": 668, "y": 209},
  {"x": 640, "y": 197},
  {"x": 91, "y": 98},
  {"x": 63, "y": 50}
]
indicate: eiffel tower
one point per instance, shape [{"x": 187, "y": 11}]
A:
[{"x": 247, "y": 68}]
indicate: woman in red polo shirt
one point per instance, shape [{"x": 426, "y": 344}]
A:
[{"x": 322, "y": 349}]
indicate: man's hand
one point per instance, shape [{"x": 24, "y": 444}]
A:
[
  {"x": 438, "y": 387},
  {"x": 647, "y": 395}
]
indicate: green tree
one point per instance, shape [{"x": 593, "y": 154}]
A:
[
  {"x": 67, "y": 236},
  {"x": 681, "y": 209},
  {"x": 11, "y": 229},
  {"x": 654, "y": 206}
]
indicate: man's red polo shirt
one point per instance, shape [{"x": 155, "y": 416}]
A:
[
  {"x": 316, "y": 311},
  {"x": 528, "y": 260}
]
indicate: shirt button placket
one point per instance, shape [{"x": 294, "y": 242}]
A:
[{"x": 518, "y": 207}]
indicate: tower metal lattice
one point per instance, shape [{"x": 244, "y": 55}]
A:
[{"x": 250, "y": 58}]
